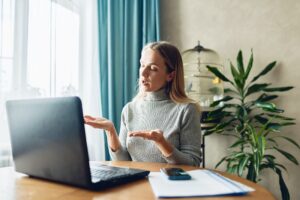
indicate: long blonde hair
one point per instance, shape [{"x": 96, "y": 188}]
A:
[{"x": 173, "y": 61}]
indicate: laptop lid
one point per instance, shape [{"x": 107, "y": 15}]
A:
[{"x": 48, "y": 139}]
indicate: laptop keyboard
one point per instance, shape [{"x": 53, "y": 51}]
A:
[{"x": 108, "y": 172}]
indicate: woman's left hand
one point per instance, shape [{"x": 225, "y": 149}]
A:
[
  {"x": 155, "y": 135},
  {"x": 158, "y": 137}
]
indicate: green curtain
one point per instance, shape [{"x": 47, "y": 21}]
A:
[{"x": 125, "y": 26}]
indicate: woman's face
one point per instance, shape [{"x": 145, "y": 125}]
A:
[{"x": 153, "y": 71}]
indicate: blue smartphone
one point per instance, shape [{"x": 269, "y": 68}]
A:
[{"x": 175, "y": 174}]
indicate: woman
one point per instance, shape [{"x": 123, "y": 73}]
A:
[{"x": 161, "y": 124}]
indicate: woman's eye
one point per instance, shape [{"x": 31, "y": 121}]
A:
[
  {"x": 149, "y": 67},
  {"x": 153, "y": 68}
]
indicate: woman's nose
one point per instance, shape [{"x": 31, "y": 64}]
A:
[{"x": 143, "y": 71}]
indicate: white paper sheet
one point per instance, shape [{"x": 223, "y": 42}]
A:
[{"x": 203, "y": 183}]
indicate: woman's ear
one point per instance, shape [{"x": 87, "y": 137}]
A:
[{"x": 171, "y": 76}]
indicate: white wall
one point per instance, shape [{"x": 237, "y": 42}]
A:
[{"x": 272, "y": 29}]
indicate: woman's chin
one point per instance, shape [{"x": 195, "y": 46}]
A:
[{"x": 147, "y": 89}]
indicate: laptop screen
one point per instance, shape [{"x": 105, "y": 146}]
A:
[{"x": 48, "y": 139}]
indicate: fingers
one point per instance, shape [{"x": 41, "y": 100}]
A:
[
  {"x": 140, "y": 134},
  {"x": 92, "y": 121},
  {"x": 98, "y": 122},
  {"x": 150, "y": 132},
  {"x": 88, "y": 118},
  {"x": 150, "y": 135}
]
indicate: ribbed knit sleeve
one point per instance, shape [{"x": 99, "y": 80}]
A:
[
  {"x": 188, "y": 152},
  {"x": 122, "y": 153}
]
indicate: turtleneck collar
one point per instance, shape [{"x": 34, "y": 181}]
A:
[{"x": 157, "y": 95}]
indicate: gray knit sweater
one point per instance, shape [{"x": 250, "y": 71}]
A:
[{"x": 180, "y": 124}]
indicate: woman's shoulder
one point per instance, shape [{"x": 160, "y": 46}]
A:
[
  {"x": 189, "y": 106},
  {"x": 129, "y": 106}
]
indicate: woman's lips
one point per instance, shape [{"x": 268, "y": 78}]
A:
[{"x": 144, "y": 82}]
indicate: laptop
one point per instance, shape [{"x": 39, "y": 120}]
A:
[{"x": 48, "y": 142}]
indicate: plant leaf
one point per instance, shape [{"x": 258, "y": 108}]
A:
[
  {"x": 278, "y": 89},
  {"x": 220, "y": 162},
  {"x": 226, "y": 98},
  {"x": 261, "y": 145},
  {"x": 285, "y": 195},
  {"x": 287, "y": 123},
  {"x": 237, "y": 77},
  {"x": 273, "y": 126},
  {"x": 265, "y": 105},
  {"x": 287, "y": 155},
  {"x": 257, "y": 160},
  {"x": 249, "y": 67},
  {"x": 240, "y": 64},
  {"x": 242, "y": 165},
  {"x": 217, "y": 116},
  {"x": 230, "y": 170},
  {"x": 228, "y": 90},
  {"x": 241, "y": 113},
  {"x": 256, "y": 88},
  {"x": 216, "y": 112},
  {"x": 209, "y": 132},
  {"x": 261, "y": 119},
  {"x": 235, "y": 168},
  {"x": 272, "y": 140},
  {"x": 280, "y": 117},
  {"x": 268, "y": 68},
  {"x": 235, "y": 155},
  {"x": 264, "y": 97},
  {"x": 282, "y": 166},
  {"x": 276, "y": 110},
  {"x": 268, "y": 156},
  {"x": 251, "y": 172},
  {"x": 290, "y": 140},
  {"x": 238, "y": 143},
  {"x": 224, "y": 124},
  {"x": 216, "y": 72}
]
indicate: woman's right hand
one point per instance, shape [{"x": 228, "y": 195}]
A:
[
  {"x": 108, "y": 126},
  {"x": 99, "y": 122}
]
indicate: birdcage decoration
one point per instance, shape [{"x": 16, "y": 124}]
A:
[{"x": 200, "y": 84}]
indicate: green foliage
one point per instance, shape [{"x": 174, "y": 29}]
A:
[{"x": 248, "y": 114}]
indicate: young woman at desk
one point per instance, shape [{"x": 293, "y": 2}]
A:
[{"x": 161, "y": 124}]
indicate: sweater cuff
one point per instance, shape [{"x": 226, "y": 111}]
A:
[
  {"x": 177, "y": 157},
  {"x": 113, "y": 154},
  {"x": 120, "y": 154},
  {"x": 172, "y": 157}
]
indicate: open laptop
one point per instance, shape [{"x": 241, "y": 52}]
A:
[{"x": 48, "y": 141}]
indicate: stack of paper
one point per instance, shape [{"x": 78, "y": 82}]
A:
[{"x": 203, "y": 183}]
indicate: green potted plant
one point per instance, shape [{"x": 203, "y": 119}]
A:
[{"x": 248, "y": 114}]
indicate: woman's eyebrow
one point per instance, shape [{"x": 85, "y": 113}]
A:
[{"x": 151, "y": 63}]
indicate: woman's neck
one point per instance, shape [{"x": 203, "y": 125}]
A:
[{"x": 156, "y": 95}]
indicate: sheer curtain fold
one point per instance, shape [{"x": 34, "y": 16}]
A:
[
  {"x": 124, "y": 28},
  {"x": 89, "y": 88},
  {"x": 20, "y": 44}
]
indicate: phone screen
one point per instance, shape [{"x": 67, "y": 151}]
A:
[{"x": 175, "y": 173}]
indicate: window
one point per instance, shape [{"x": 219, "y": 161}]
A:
[
  {"x": 50, "y": 66},
  {"x": 53, "y": 43}
]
